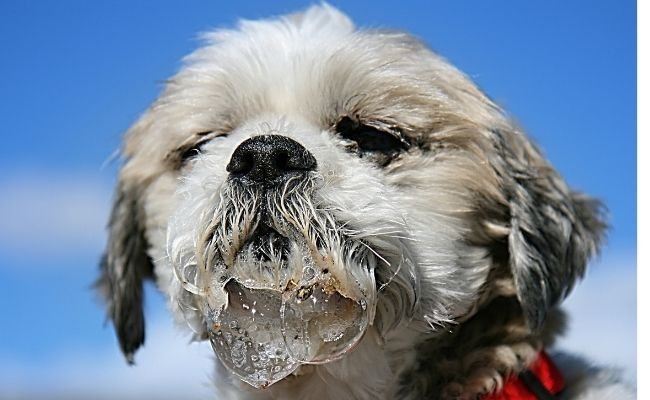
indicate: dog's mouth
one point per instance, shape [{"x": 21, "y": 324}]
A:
[
  {"x": 267, "y": 244},
  {"x": 281, "y": 304}
]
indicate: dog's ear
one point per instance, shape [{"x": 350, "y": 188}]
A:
[
  {"x": 124, "y": 266},
  {"x": 553, "y": 230}
]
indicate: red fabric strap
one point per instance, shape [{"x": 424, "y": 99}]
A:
[{"x": 543, "y": 369}]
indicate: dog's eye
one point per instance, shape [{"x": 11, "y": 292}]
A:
[
  {"x": 193, "y": 150},
  {"x": 369, "y": 138}
]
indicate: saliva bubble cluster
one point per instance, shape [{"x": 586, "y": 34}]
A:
[{"x": 263, "y": 335}]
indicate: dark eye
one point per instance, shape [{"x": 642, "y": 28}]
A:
[
  {"x": 369, "y": 138},
  {"x": 193, "y": 150}
]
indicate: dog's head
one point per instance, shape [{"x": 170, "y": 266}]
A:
[{"x": 300, "y": 182}]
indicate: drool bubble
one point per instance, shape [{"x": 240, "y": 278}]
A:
[
  {"x": 308, "y": 273},
  {"x": 258, "y": 356},
  {"x": 306, "y": 324},
  {"x": 322, "y": 326}
]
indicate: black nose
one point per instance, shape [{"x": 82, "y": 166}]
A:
[{"x": 269, "y": 160}]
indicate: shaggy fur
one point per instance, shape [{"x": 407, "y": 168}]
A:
[{"x": 424, "y": 204}]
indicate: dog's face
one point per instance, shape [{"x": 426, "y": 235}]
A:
[{"x": 300, "y": 184}]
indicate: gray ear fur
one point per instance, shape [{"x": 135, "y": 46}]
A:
[
  {"x": 553, "y": 230},
  {"x": 123, "y": 268}
]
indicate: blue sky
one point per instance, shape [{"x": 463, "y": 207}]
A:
[{"x": 75, "y": 74}]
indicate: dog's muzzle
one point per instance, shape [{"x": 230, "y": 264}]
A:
[{"x": 279, "y": 301}]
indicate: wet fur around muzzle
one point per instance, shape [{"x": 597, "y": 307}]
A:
[{"x": 300, "y": 162}]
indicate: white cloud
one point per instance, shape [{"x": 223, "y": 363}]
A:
[
  {"x": 168, "y": 367},
  {"x": 52, "y": 214},
  {"x": 602, "y": 311}
]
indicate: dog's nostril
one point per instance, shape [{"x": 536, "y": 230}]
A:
[
  {"x": 269, "y": 159},
  {"x": 281, "y": 160},
  {"x": 241, "y": 165}
]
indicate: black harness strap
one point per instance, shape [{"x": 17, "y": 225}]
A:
[{"x": 535, "y": 386}]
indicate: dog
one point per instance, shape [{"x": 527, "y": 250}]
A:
[{"x": 345, "y": 215}]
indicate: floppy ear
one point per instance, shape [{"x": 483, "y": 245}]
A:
[
  {"x": 553, "y": 230},
  {"x": 124, "y": 266}
]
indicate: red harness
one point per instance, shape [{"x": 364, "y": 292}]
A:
[{"x": 541, "y": 381}]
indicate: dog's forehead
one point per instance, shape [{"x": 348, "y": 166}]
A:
[{"x": 286, "y": 68}]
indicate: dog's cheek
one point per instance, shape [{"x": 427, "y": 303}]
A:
[
  {"x": 177, "y": 203},
  {"x": 354, "y": 191},
  {"x": 437, "y": 198},
  {"x": 429, "y": 203},
  {"x": 160, "y": 201}
]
